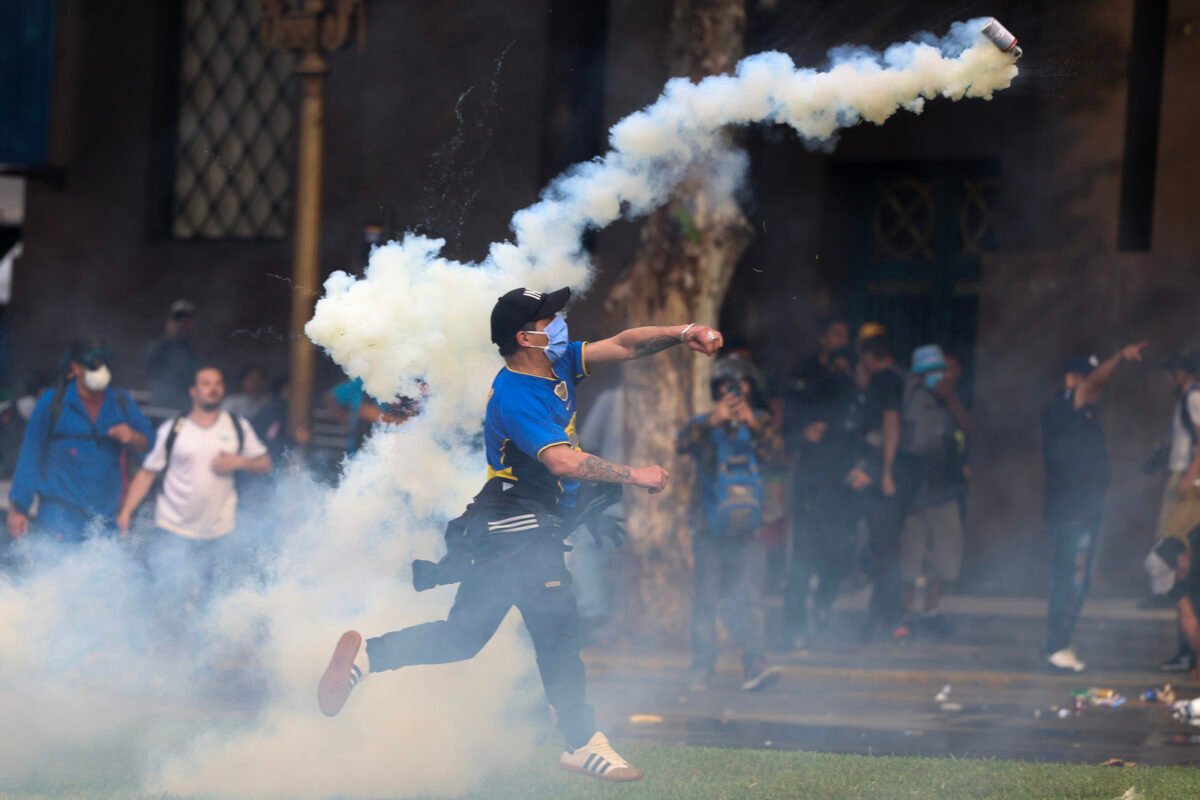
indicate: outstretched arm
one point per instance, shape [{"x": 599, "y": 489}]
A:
[
  {"x": 641, "y": 342},
  {"x": 1089, "y": 390},
  {"x": 564, "y": 461}
]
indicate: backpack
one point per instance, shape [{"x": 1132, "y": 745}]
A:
[
  {"x": 1185, "y": 416},
  {"x": 178, "y": 426},
  {"x": 56, "y": 409},
  {"x": 736, "y": 506},
  {"x": 924, "y": 422}
]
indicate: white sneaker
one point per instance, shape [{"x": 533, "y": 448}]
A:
[
  {"x": 347, "y": 667},
  {"x": 1065, "y": 660},
  {"x": 598, "y": 759},
  {"x": 760, "y": 677}
]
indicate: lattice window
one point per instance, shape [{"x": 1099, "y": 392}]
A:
[
  {"x": 977, "y": 216},
  {"x": 904, "y": 220},
  {"x": 233, "y": 156}
]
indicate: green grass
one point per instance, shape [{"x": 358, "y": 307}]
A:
[{"x": 692, "y": 772}]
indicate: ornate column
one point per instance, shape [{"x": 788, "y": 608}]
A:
[{"x": 311, "y": 28}]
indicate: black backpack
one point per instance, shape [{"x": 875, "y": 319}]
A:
[
  {"x": 177, "y": 426},
  {"x": 1185, "y": 415},
  {"x": 56, "y": 409}
]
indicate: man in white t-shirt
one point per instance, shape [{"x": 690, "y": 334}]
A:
[
  {"x": 1180, "y": 510},
  {"x": 1183, "y": 459},
  {"x": 197, "y": 456}
]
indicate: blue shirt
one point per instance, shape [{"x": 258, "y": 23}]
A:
[
  {"x": 83, "y": 463},
  {"x": 525, "y": 415},
  {"x": 350, "y": 395}
]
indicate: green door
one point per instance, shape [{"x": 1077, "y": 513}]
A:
[{"x": 916, "y": 232}]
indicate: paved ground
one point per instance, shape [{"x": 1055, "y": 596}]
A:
[{"x": 843, "y": 696}]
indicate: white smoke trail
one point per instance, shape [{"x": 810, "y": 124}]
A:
[
  {"x": 389, "y": 327},
  {"x": 79, "y": 673}
]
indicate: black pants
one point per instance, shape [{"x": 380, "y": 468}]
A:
[
  {"x": 886, "y": 523},
  {"x": 534, "y": 580},
  {"x": 733, "y": 568},
  {"x": 823, "y": 538},
  {"x": 1073, "y": 545}
]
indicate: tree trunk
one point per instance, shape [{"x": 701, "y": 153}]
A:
[{"x": 680, "y": 273}]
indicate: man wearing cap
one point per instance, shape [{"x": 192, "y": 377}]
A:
[
  {"x": 931, "y": 546},
  {"x": 1169, "y": 567},
  {"x": 72, "y": 455},
  {"x": 1077, "y": 474},
  {"x": 171, "y": 362},
  {"x": 506, "y": 549}
]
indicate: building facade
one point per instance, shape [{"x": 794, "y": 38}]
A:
[{"x": 1056, "y": 219}]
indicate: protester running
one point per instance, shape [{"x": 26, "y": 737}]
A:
[{"x": 507, "y": 548}]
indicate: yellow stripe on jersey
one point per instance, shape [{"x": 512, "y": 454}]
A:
[
  {"x": 506, "y": 473},
  {"x": 552, "y": 444},
  {"x": 570, "y": 431}
]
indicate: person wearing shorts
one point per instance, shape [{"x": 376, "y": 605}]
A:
[
  {"x": 936, "y": 422},
  {"x": 931, "y": 549}
]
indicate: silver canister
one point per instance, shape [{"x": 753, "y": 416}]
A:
[{"x": 1000, "y": 36}]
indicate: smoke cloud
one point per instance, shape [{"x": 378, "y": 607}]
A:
[{"x": 90, "y": 666}]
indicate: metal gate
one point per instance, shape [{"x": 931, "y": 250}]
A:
[{"x": 917, "y": 230}]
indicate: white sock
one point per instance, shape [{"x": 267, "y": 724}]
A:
[{"x": 362, "y": 661}]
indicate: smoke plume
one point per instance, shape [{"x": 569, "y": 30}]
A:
[{"x": 87, "y": 662}]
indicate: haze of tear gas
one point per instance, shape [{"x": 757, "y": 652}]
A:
[{"x": 83, "y": 668}]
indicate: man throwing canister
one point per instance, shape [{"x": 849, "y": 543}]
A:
[{"x": 507, "y": 548}]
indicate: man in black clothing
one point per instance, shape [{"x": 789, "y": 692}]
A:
[
  {"x": 820, "y": 382},
  {"x": 822, "y": 449},
  {"x": 1077, "y": 475},
  {"x": 893, "y": 479}
]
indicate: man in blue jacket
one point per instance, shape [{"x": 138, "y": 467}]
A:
[{"x": 72, "y": 454}]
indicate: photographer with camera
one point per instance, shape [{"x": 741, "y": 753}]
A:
[
  {"x": 730, "y": 444},
  {"x": 507, "y": 548}
]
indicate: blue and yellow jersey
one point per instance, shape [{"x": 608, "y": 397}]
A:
[{"x": 525, "y": 415}]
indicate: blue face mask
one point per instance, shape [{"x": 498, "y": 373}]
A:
[
  {"x": 557, "y": 339},
  {"x": 932, "y": 379}
]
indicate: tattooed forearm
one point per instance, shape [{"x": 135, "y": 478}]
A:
[
  {"x": 594, "y": 468},
  {"x": 655, "y": 344}
]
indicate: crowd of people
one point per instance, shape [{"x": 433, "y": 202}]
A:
[
  {"x": 90, "y": 461},
  {"x": 878, "y": 469},
  {"x": 871, "y": 459},
  {"x": 876, "y": 459}
]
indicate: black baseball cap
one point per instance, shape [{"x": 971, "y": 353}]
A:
[
  {"x": 1082, "y": 365},
  {"x": 1183, "y": 362},
  {"x": 91, "y": 352},
  {"x": 516, "y": 309}
]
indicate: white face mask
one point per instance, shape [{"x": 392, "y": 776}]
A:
[{"x": 97, "y": 380}]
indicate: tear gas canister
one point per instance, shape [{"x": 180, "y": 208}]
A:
[{"x": 1000, "y": 36}]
